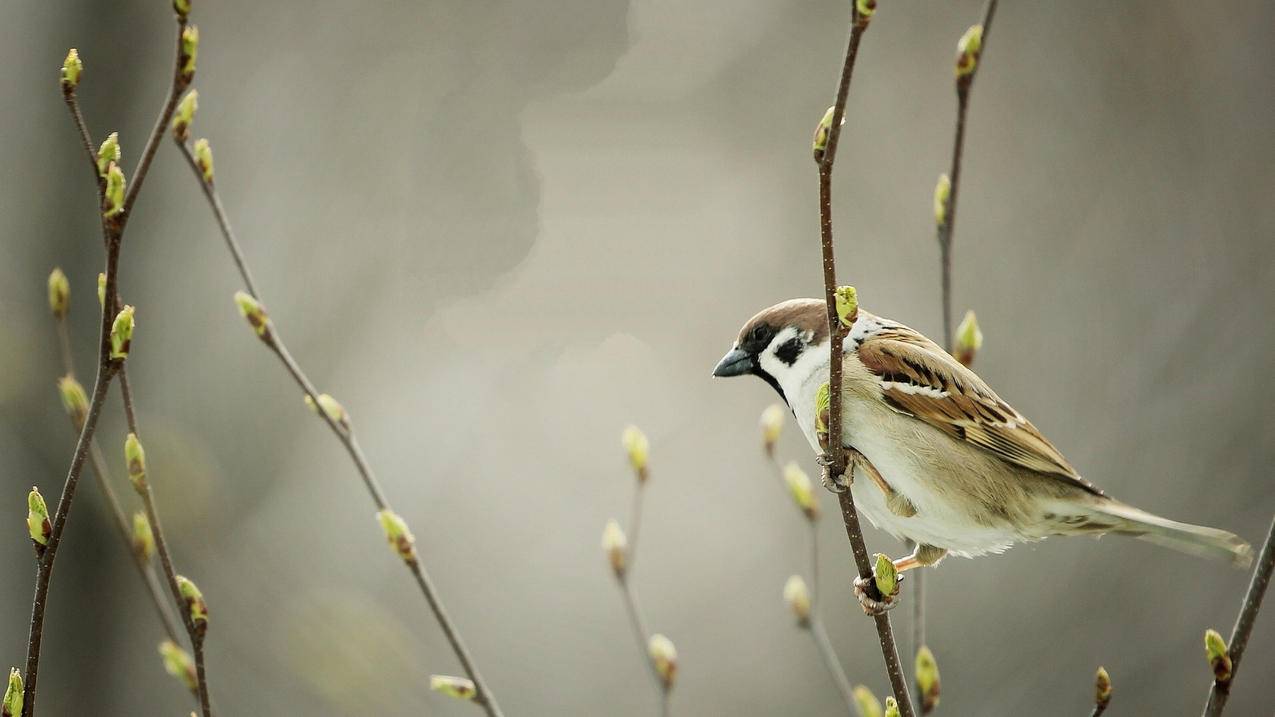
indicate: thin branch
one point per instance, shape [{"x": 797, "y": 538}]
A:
[
  {"x": 345, "y": 434},
  {"x": 838, "y": 459},
  {"x": 180, "y": 81},
  {"x": 640, "y": 633},
  {"x": 1244, "y": 623}
]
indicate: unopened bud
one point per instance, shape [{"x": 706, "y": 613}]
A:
[
  {"x": 135, "y": 459},
  {"x": 398, "y": 535},
  {"x": 177, "y": 663},
  {"x": 13, "y": 694},
  {"x": 638, "y": 448},
  {"x": 143, "y": 537},
  {"x": 927, "y": 679},
  {"x": 190, "y": 51},
  {"x": 1102, "y": 688},
  {"x": 38, "y": 524},
  {"x": 865, "y": 8},
  {"x": 458, "y": 687},
  {"x": 886, "y": 576},
  {"x": 801, "y": 489},
  {"x": 847, "y": 305},
  {"x": 74, "y": 400},
  {"x": 122, "y": 333},
  {"x": 822, "y": 131},
  {"x": 968, "y": 48},
  {"x": 255, "y": 313},
  {"x": 664, "y": 657},
  {"x": 185, "y": 115},
  {"x": 772, "y": 425},
  {"x": 194, "y": 603},
  {"x": 101, "y": 290},
  {"x": 942, "y": 193},
  {"x": 113, "y": 198},
  {"x": 866, "y": 702},
  {"x": 1219, "y": 657},
  {"x": 331, "y": 407},
  {"x": 107, "y": 153},
  {"x": 797, "y": 595},
  {"x": 823, "y": 399},
  {"x": 891, "y": 707},
  {"x": 71, "y": 69},
  {"x": 203, "y": 157},
  {"x": 969, "y": 339},
  {"x": 182, "y": 8},
  {"x": 59, "y": 293},
  {"x": 616, "y": 546}
]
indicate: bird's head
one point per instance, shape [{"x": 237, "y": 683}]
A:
[{"x": 772, "y": 343}]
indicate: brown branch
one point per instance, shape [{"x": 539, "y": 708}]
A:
[
  {"x": 345, "y": 434},
  {"x": 837, "y": 463},
  {"x": 180, "y": 81},
  {"x": 1220, "y": 692}
]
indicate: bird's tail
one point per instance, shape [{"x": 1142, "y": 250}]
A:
[{"x": 1184, "y": 537}]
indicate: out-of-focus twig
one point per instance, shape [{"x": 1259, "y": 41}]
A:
[{"x": 1221, "y": 689}]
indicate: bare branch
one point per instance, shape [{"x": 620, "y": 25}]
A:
[{"x": 1220, "y": 692}]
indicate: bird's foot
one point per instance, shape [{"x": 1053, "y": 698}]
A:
[
  {"x": 832, "y": 484},
  {"x": 872, "y": 600}
]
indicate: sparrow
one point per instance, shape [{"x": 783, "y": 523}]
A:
[{"x": 937, "y": 456}]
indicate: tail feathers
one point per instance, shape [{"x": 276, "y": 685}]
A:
[{"x": 1193, "y": 539}]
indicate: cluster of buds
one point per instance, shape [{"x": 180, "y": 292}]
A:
[
  {"x": 891, "y": 707},
  {"x": 177, "y": 663},
  {"x": 847, "y": 300},
  {"x": 255, "y": 313},
  {"x": 135, "y": 459},
  {"x": 143, "y": 537},
  {"x": 122, "y": 333},
  {"x": 108, "y": 153},
  {"x": 59, "y": 293},
  {"x": 968, "y": 48},
  {"x": 801, "y": 489},
  {"x": 398, "y": 535},
  {"x": 797, "y": 595},
  {"x": 74, "y": 400},
  {"x": 203, "y": 158},
  {"x": 772, "y": 425},
  {"x": 331, "y": 408},
  {"x": 71, "y": 70},
  {"x": 195, "y": 605},
  {"x": 189, "y": 52},
  {"x": 1102, "y": 690},
  {"x": 942, "y": 193},
  {"x": 13, "y": 694},
  {"x": 38, "y": 524},
  {"x": 458, "y": 687},
  {"x": 1219, "y": 656},
  {"x": 113, "y": 196},
  {"x": 885, "y": 575},
  {"x": 969, "y": 339},
  {"x": 638, "y": 449},
  {"x": 664, "y": 658},
  {"x": 616, "y": 547},
  {"x": 185, "y": 116},
  {"x": 866, "y": 702},
  {"x": 927, "y": 679}
]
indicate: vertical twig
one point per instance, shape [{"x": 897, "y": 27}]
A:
[
  {"x": 837, "y": 465},
  {"x": 1219, "y": 693}
]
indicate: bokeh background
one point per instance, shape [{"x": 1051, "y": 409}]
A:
[{"x": 501, "y": 231}]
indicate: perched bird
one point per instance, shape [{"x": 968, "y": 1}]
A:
[{"x": 938, "y": 457}]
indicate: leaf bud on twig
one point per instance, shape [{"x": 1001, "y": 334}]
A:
[
  {"x": 204, "y": 158},
  {"x": 13, "y": 694},
  {"x": 969, "y": 339},
  {"x": 135, "y": 459},
  {"x": 887, "y": 577},
  {"x": 190, "y": 51},
  {"x": 195, "y": 604},
  {"x": 891, "y": 707},
  {"x": 772, "y": 425},
  {"x": 847, "y": 305},
  {"x": 122, "y": 333},
  {"x": 968, "y": 48},
  {"x": 458, "y": 687},
  {"x": 182, "y": 8},
  {"x": 1102, "y": 689},
  {"x": 74, "y": 400},
  {"x": 177, "y": 663},
  {"x": 143, "y": 537},
  {"x": 616, "y": 547},
  {"x": 927, "y": 679},
  {"x": 942, "y": 192},
  {"x": 107, "y": 153},
  {"x": 38, "y": 524},
  {"x": 398, "y": 535},
  {"x": 59, "y": 293},
  {"x": 71, "y": 70},
  {"x": 331, "y": 407},
  {"x": 866, "y": 702},
  {"x": 1219, "y": 657},
  {"x": 113, "y": 197},
  {"x": 664, "y": 658},
  {"x": 797, "y": 595},
  {"x": 185, "y": 116},
  {"x": 819, "y": 146},
  {"x": 638, "y": 449},
  {"x": 101, "y": 290},
  {"x": 801, "y": 489},
  {"x": 255, "y": 313}
]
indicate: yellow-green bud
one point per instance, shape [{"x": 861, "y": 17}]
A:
[
  {"x": 177, "y": 663},
  {"x": 74, "y": 400},
  {"x": 458, "y": 687},
  {"x": 664, "y": 657},
  {"x": 969, "y": 339},
  {"x": 887, "y": 578},
  {"x": 38, "y": 519},
  {"x": 823, "y": 400},
  {"x": 13, "y": 694},
  {"x": 820, "y": 144},
  {"x": 143, "y": 537},
  {"x": 797, "y": 595},
  {"x": 135, "y": 459},
  {"x": 398, "y": 535},
  {"x": 255, "y": 313},
  {"x": 182, "y": 8},
  {"x": 968, "y": 48},
  {"x": 101, "y": 290},
  {"x": 194, "y": 603},
  {"x": 891, "y": 707},
  {"x": 185, "y": 116},
  {"x": 801, "y": 489},
  {"x": 113, "y": 199},
  {"x": 71, "y": 69},
  {"x": 866, "y": 702},
  {"x": 107, "y": 153},
  {"x": 639, "y": 449},
  {"x": 1219, "y": 657},
  {"x": 847, "y": 305},
  {"x": 331, "y": 407},
  {"x": 927, "y": 679},
  {"x": 190, "y": 51},
  {"x": 772, "y": 425},
  {"x": 203, "y": 157},
  {"x": 942, "y": 192},
  {"x": 59, "y": 293},
  {"x": 865, "y": 8},
  {"x": 1102, "y": 688},
  {"x": 122, "y": 333},
  {"x": 616, "y": 546}
]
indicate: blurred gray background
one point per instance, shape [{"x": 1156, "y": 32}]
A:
[{"x": 500, "y": 231}]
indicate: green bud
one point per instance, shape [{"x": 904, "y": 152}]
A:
[
  {"x": 1219, "y": 657},
  {"x": 113, "y": 200},
  {"x": 122, "y": 333},
  {"x": 13, "y": 694},
  {"x": 398, "y": 535},
  {"x": 203, "y": 157},
  {"x": 891, "y": 707},
  {"x": 664, "y": 657},
  {"x": 71, "y": 69},
  {"x": 74, "y": 400},
  {"x": 866, "y": 702},
  {"x": 331, "y": 407},
  {"x": 458, "y": 687},
  {"x": 802, "y": 491},
  {"x": 135, "y": 459},
  {"x": 59, "y": 293},
  {"x": 638, "y": 449},
  {"x": 969, "y": 339},
  {"x": 101, "y": 290},
  {"x": 108, "y": 153},
  {"x": 772, "y": 425},
  {"x": 822, "y": 131},
  {"x": 616, "y": 547},
  {"x": 255, "y": 313},
  {"x": 185, "y": 116},
  {"x": 194, "y": 603},
  {"x": 865, "y": 8},
  {"x": 942, "y": 192},
  {"x": 1102, "y": 688},
  {"x": 847, "y": 305},
  {"x": 38, "y": 519},
  {"x": 968, "y": 49},
  {"x": 182, "y": 8},
  {"x": 797, "y": 595},
  {"x": 823, "y": 399},
  {"x": 143, "y": 537},
  {"x": 190, "y": 51},
  {"x": 927, "y": 679},
  {"x": 887, "y": 578},
  {"x": 177, "y": 663}
]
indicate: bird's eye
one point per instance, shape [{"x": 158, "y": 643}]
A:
[{"x": 759, "y": 332}]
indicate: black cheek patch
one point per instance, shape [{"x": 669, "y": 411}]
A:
[{"x": 789, "y": 351}]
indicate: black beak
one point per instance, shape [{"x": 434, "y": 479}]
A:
[{"x": 735, "y": 363}]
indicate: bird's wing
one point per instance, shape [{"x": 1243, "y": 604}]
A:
[{"x": 924, "y": 381}]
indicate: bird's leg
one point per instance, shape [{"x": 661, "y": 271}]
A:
[
  {"x": 870, "y": 597},
  {"x": 839, "y": 484}
]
